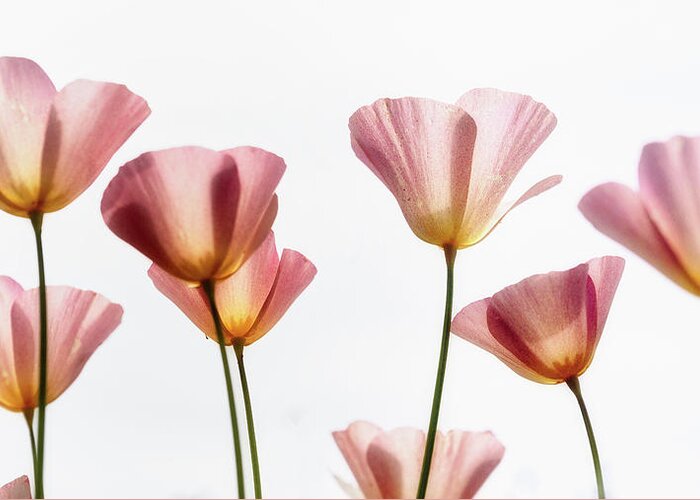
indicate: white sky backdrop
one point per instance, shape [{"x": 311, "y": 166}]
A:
[{"x": 148, "y": 416}]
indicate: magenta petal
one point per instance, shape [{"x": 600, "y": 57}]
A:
[
  {"x": 669, "y": 181},
  {"x": 18, "y": 488},
  {"x": 422, "y": 151},
  {"x": 618, "y": 212}
]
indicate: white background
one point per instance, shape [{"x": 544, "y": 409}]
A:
[{"x": 148, "y": 416}]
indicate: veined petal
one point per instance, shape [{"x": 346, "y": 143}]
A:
[
  {"x": 470, "y": 236},
  {"x": 10, "y": 391},
  {"x": 19, "y": 488},
  {"x": 79, "y": 321},
  {"x": 462, "y": 461},
  {"x": 471, "y": 323},
  {"x": 353, "y": 443},
  {"x": 395, "y": 458},
  {"x": 422, "y": 151},
  {"x": 26, "y": 94},
  {"x": 294, "y": 274},
  {"x": 88, "y": 122},
  {"x": 669, "y": 181},
  {"x": 618, "y": 212},
  {"x": 510, "y": 128}
]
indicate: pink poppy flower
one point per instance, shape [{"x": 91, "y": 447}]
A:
[
  {"x": 196, "y": 213},
  {"x": 251, "y": 301},
  {"x": 661, "y": 221},
  {"x": 54, "y": 144},
  {"x": 19, "y": 488},
  {"x": 387, "y": 464},
  {"x": 546, "y": 328},
  {"x": 449, "y": 165},
  {"x": 79, "y": 321}
]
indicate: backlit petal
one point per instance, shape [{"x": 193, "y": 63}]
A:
[
  {"x": 353, "y": 443},
  {"x": 19, "y": 488}
]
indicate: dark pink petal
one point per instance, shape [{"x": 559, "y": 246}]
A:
[
  {"x": 88, "y": 122},
  {"x": 618, "y": 212},
  {"x": 669, "y": 181},
  {"x": 26, "y": 94},
  {"x": 422, "y": 151},
  {"x": 19, "y": 488}
]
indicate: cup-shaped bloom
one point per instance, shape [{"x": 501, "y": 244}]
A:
[
  {"x": 661, "y": 221},
  {"x": 54, "y": 144},
  {"x": 79, "y": 321},
  {"x": 19, "y": 488},
  {"x": 449, "y": 166},
  {"x": 196, "y": 213},
  {"x": 546, "y": 327},
  {"x": 387, "y": 464},
  {"x": 250, "y": 301}
]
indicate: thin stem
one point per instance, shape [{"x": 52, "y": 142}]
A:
[
  {"x": 450, "y": 254},
  {"x": 37, "y": 219},
  {"x": 208, "y": 287},
  {"x": 238, "y": 348},
  {"x": 29, "y": 418},
  {"x": 576, "y": 389}
]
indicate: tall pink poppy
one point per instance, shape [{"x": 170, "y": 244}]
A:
[
  {"x": 18, "y": 488},
  {"x": 54, "y": 144},
  {"x": 79, "y": 321},
  {"x": 546, "y": 328},
  {"x": 661, "y": 221},
  {"x": 242, "y": 308},
  {"x": 387, "y": 464},
  {"x": 450, "y": 166},
  {"x": 196, "y": 213}
]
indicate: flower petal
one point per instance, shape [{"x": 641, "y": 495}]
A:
[
  {"x": 618, "y": 212},
  {"x": 88, "y": 122},
  {"x": 26, "y": 94},
  {"x": 79, "y": 321},
  {"x": 669, "y": 182},
  {"x": 462, "y": 462},
  {"x": 471, "y": 323},
  {"x": 395, "y": 458},
  {"x": 19, "y": 488},
  {"x": 422, "y": 151},
  {"x": 510, "y": 128},
  {"x": 190, "y": 299},
  {"x": 11, "y": 396},
  {"x": 353, "y": 443},
  {"x": 293, "y": 276}
]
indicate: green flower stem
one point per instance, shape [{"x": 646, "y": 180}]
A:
[
  {"x": 238, "y": 348},
  {"x": 208, "y": 287},
  {"x": 450, "y": 254},
  {"x": 29, "y": 418},
  {"x": 576, "y": 389},
  {"x": 37, "y": 219}
]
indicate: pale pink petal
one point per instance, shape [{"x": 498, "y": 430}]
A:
[
  {"x": 618, "y": 212},
  {"x": 669, "y": 182},
  {"x": 422, "y": 151},
  {"x": 353, "y": 443},
  {"x": 510, "y": 128},
  {"x": 395, "y": 458},
  {"x": 259, "y": 171},
  {"x": 462, "y": 462},
  {"x": 88, "y": 122},
  {"x": 470, "y": 237},
  {"x": 11, "y": 396},
  {"x": 185, "y": 208},
  {"x": 79, "y": 321},
  {"x": 293, "y": 276},
  {"x": 19, "y": 488},
  {"x": 241, "y": 296},
  {"x": 26, "y": 94},
  {"x": 190, "y": 299},
  {"x": 471, "y": 323}
]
